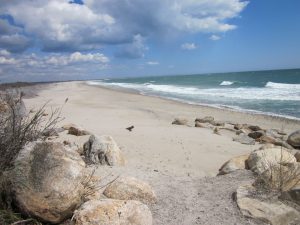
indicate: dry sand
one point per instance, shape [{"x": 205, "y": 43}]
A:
[{"x": 178, "y": 161}]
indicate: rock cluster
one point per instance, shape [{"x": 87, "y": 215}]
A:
[
  {"x": 276, "y": 169},
  {"x": 247, "y": 134},
  {"x": 51, "y": 182}
]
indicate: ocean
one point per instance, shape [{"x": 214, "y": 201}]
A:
[{"x": 274, "y": 92}]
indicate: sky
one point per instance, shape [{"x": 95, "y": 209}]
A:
[{"x": 44, "y": 40}]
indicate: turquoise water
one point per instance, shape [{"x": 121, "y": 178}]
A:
[{"x": 275, "y": 92}]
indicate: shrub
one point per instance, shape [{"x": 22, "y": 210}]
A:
[{"x": 17, "y": 128}]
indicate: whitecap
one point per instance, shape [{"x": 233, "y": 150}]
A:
[
  {"x": 226, "y": 83},
  {"x": 282, "y": 85}
]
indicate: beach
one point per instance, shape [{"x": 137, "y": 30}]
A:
[{"x": 180, "y": 162}]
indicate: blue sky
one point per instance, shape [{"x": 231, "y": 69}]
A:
[{"x": 59, "y": 39}]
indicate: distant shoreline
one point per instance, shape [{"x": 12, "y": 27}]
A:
[{"x": 228, "y": 109}]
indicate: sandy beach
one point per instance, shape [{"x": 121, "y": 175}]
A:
[{"x": 180, "y": 162}]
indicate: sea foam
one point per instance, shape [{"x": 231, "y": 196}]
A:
[{"x": 226, "y": 83}]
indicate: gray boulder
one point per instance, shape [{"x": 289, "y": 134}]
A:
[
  {"x": 254, "y": 127},
  {"x": 270, "y": 212},
  {"x": 103, "y": 150},
  {"x": 113, "y": 212},
  {"x": 207, "y": 119},
  {"x": 130, "y": 188},
  {"x": 236, "y": 163},
  {"x": 180, "y": 121},
  {"x": 256, "y": 134},
  {"x": 294, "y": 139},
  {"x": 244, "y": 139},
  {"x": 47, "y": 181}
]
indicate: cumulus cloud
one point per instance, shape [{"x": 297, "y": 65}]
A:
[
  {"x": 52, "y": 64},
  {"x": 189, "y": 46},
  {"x": 77, "y": 57},
  {"x": 134, "y": 50},
  {"x": 5, "y": 60},
  {"x": 214, "y": 37},
  {"x": 11, "y": 39},
  {"x": 4, "y": 52},
  {"x": 61, "y": 26}
]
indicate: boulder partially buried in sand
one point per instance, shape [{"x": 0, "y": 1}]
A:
[
  {"x": 244, "y": 139},
  {"x": 261, "y": 160},
  {"x": 115, "y": 212},
  {"x": 294, "y": 139},
  {"x": 130, "y": 188},
  {"x": 236, "y": 163},
  {"x": 207, "y": 119},
  {"x": 47, "y": 181},
  {"x": 103, "y": 150},
  {"x": 271, "y": 212},
  {"x": 180, "y": 121}
]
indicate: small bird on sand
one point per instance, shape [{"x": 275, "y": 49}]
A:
[{"x": 130, "y": 128}]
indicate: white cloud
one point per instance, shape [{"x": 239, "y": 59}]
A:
[
  {"x": 4, "y": 52},
  {"x": 153, "y": 63},
  {"x": 77, "y": 57},
  {"x": 61, "y": 26},
  {"x": 189, "y": 46},
  {"x": 4, "y": 60},
  {"x": 52, "y": 66},
  {"x": 214, "y": 37},
  {"x": 136, "y": 49}
]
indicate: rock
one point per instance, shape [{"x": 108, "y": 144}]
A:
[
  {"x": 267, "y": 139},
  {"x": 207, "y": 119},
  {"x": 297, "y": 156},
  {"x": 52, "y": 132},
  {"x": 179, "y": 121},
  {"x": 294, "y": 139},
  {"x": 254, "y": 128},
  {"x": 114, "y": 212},
  {"x": 256, "y": 134},
  {"x": 293, "y": 194},
  {"x": 275, "y": 212},
  {"x": 217, "y": 123},
  {"x": 47, "y": 181},
  {"x": 93, "y": 182},
  {"x": 281, "y": 132},
  {"x": 236, "y": 163},
  {"x": 77, "y": 131},
  {"x": 273, "y": 133},
  {"x": 130, "y": 188},
  {"x": 68, "y": 126},
  {"x": 216, "y": 131},
  {"x": 103, "y": 150},
  {"x": 74, "y": 147},
  {"x": 261, "y": 160},
  {"x": 242, "y": 131},
  {"x": 244, "y": 139},
  {"x": 198, "y": 124},
  {"x": 266, "y": 146},
  {"x": 283, "y": 144},
  {"x": 238, "y": 126}
]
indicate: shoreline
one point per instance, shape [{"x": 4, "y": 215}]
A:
[
  {"x": 220, "y": 107},
  {"x": 229, "y": 110}
]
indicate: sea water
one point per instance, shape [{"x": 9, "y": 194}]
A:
[{"x": 275, "y": 92}]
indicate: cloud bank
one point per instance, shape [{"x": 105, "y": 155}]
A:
[{"x": 64, "y": 27}]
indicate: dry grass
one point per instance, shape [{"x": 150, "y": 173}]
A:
[
  {"x": 279, "y": 176},
  {"x": 18, "y": 128}
]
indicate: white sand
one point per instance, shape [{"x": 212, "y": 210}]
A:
[{"x": 181, "y": 154}]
